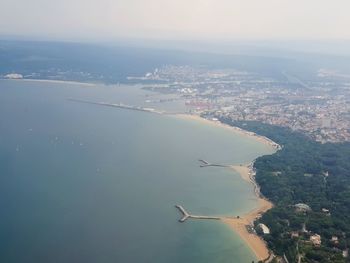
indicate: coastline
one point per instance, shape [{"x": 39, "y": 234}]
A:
[
  {"x": 243, "y": 223},
  {"x": 240, "y": 225},
  {"x": 53, "y": 81},
  {"x": 251, "y": 135},
  {"x": 240, "y": 242}
]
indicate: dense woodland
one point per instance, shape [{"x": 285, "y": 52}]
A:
[{"x": 307, "y": 172}]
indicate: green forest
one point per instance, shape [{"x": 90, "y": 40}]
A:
[{"x": 304, "y": 172}]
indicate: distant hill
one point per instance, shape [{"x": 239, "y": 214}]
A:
[{"x": 88, "y": 62}]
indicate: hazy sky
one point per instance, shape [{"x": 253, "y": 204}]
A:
[{"x": 178, "y": 19}]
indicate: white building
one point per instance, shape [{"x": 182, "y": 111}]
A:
[
  {"x": 316, "y": 240},
  {"x": 264, "y": 229}
]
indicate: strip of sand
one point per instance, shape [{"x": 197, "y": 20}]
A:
[
  {"x": 240, "y": 225},
  {"x": 256, "y": 243},
  {"x": 251, "y": 135}
]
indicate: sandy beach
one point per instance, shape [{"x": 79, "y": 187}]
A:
[
  {"x": 246, "y": 171},
  {"x": 251, "y": 135},
  {"x": 239, "y": 225}
]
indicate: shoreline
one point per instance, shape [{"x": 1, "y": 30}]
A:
[
  {"x": 240, "y": 225},
  {"x": 248, "y": 134},
  {"x": 53, "y": 81}
]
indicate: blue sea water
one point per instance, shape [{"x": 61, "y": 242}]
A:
[{"x": 87, "y": 183}]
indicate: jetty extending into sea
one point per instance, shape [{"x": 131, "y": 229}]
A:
[
  {"x": 186, "y": 215},
  {"x": 207, "y": 164},
  {"x": 118, "y": 105}
]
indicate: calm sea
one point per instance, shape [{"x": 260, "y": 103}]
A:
[{"x": 87, "y": 183}]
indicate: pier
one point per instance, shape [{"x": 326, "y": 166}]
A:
[
  {"x": 186, "y": 215},
  {"x": 207, "y": 164},
  {"x": 118, "y": 105}
]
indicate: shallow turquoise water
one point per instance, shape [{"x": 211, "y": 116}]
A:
[{"x": 86, "y": 183}]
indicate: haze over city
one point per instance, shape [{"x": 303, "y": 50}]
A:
[{"x": 182, "y": 19}]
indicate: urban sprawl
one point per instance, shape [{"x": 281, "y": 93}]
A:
[{"x": 319, "y": 107}]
